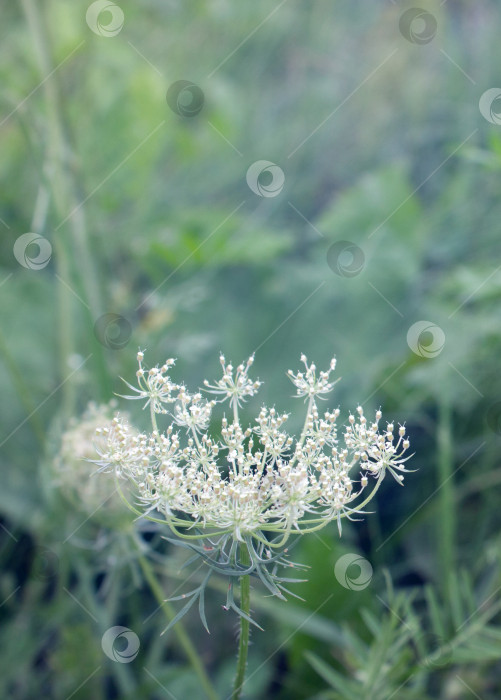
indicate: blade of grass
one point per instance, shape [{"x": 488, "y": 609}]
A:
[{"x": 447, "y": 513}]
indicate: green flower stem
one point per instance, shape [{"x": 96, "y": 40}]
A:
[
  {"x": 180, "y": 632},
  {"x": 243, "y": 644}
]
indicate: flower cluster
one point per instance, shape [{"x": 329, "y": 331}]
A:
[
  {"x": 71, "y": 472},
  {"x": 238, "y": 496},
  {"x": 256, "y": 482}
]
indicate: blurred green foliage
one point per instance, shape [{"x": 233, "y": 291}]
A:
[{"x": 150, "y": 217}]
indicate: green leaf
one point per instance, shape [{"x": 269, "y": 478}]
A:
[{"x": 349, "y": 689}]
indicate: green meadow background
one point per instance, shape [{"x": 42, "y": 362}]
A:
[{"x": 389, "y": 215}]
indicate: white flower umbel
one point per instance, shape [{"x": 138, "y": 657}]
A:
[
  {"x": 71, "y": 472},
  {"x": 240, "y": 497}
]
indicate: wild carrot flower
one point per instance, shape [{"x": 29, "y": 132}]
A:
[
  {"x": 71, "y": 472},
  {"x": 241, "y": 496}
]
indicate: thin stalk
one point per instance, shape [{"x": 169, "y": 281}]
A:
[
  {"x": 54, "y": 157},
  {"x": 23, "y": 391},
  {"x": 195, "y": 436},
  {"x": 447, "y": 514},
  {"x": 304, "y": 431},
  {"x": 105, "y": 614},
  {"x": 243, "y": 644},
  {"x": 178, "y": 629},
  {"x": 64, "y": 189},
  {"x": 154, "y": 420}
]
